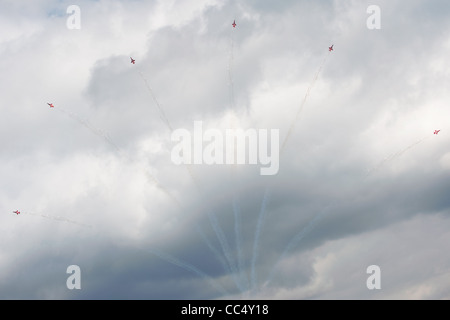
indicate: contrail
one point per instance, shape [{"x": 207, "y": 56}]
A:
[
  {"x": 302, "y": 105},
  {"x": 237, "y": 234},
  {"x": 225, "y": 247},
  {"x": 299, "y": 236},
  {"x": 213, "y": 220},
  {"x": 213, "y": 249},
  {"x": 395, "y": 155},
  {"x": 294, "y": 242},
  {"x": 259, "y": 226},
  {"x": 56, "y": 218},
  {"x": 163, "y": 116},
  {"x": 167, "y": 123},
  {"x": 188, "y": 267},
  {"x": 235, "y": 201},
  {"x": 160, "y": 109},
  {"x": 94, "y": 130},
  {"x": 262, "y": 213},
  {"x": 219, "y": 233},
  {"x": 230, "y": 71},
  {"x": 104, "y": 135}
]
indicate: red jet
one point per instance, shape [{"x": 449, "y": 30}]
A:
[
  {"x": 17, "y": 212},
  {"x": 436, "y": 131},
  {"x": 331, "y": 48},
  {"x": 132, "y": 60},
  {"x": 51, "y": 105},
  {"x": 234, "y": 24}
]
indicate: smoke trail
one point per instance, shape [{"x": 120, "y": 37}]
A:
[
  {"x": 230, "y": 71},
  {"x": 213, "y": 221},
  {"x": 213, "y": 249},
  {"x": 166, "y": 121},
  {"x": 218, "y": 231},
  {"x": 259, "y": 225},
  {"x": 188, "y": 267},
  {"x": 163, "y": 117},
  {"x": 96, "y": 131},
  {"x": 300, "y": 109},
  {"x": 237, "y": 234},
  {"x": 105, "y": 136},
  {"x": 262, "y": 213},
  {"x": 160, "y": 110},
  {"x": 294, "y": 242},
  {"x": 220, "y": 237},
  {"x": 395, "y": 156},
  {"x": 235, "y": 204},
  {"x": 299, "y": 236},
  {"x": 56, "y": 218},
  {"x": 225, "y": 247}
]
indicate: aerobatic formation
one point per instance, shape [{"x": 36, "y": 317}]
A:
[{"x": 234, "y": 267}]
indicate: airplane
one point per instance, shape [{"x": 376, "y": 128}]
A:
[
  {"x": 132, "y": 60},
  {"x": 16, "y": 212},
  {"x": 331, "y": 48},
  {"x": 234, "y": 24},
  {"x": 51, "y": 105},
  {"x": 436, "y": 131}
]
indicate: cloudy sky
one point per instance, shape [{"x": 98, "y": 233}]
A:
[{"x": 362, "y": 179}]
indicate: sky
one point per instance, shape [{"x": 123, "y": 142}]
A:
[{"x": 362, "y": 179}]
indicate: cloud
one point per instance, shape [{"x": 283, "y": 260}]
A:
[{"x": 362, "y": 179}]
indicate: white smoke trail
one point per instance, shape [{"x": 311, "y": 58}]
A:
[
  {"x": 299, "y": 236},
  {"x": 85, "y": 123},
  {"x": 230, "y": 71},
  {"x": 213, "y": 249},
  {"x": 160, "y": 109},
  {"x": 262, "y": 214},
  {"x": 225, "y": 248},
  {"x": 213, "y": 221},
  {"x": 104, "y": 135},
  {"x": 294, "y": 242},
  {"x": 259, "y": 226},
  {"x": 235, "y": 201},
  {"x": 218, "y": 231},
  {"x": 302, "y": 105},
  {"x": 166, "y": 121},
  {"x": 237, "y": 234},
  {"x": 188, "y": 267},
  {"x": 58, "y": 218},
  {"x": 395, "y": 156}
]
